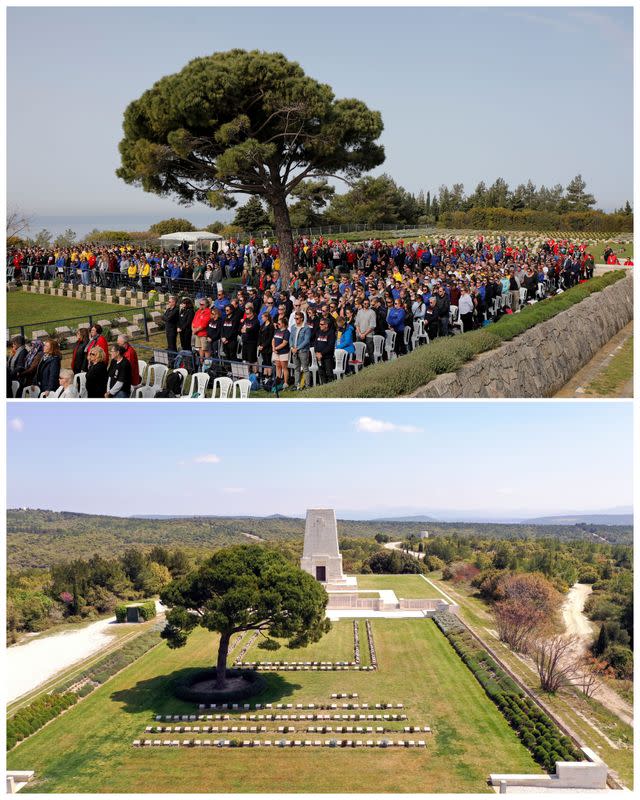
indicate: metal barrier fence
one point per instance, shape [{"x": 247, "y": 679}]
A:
[{"x": 64, "y": 329}]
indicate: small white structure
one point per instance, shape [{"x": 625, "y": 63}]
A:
[
  {"x": 588, "y": 774},
  {"x": 197, "y": 240},
  {"x": 320, "y": 555}
]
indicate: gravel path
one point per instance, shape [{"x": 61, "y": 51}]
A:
[{"x": 30, "y": 664}]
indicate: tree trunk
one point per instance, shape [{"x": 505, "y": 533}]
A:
[
  {"x": 284, "y": 235},
  {"x": 221, "y": 666}
]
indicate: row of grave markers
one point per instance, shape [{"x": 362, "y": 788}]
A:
[{"x": 232, "y": 743}]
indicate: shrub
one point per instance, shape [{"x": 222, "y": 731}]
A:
[
  {"x": 121, "y": 613},
  {"x": 30, "y": 719}
]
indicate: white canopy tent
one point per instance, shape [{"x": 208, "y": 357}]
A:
[{"x": 198, "y": 240}]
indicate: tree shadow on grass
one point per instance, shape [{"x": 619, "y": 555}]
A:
[{"x": 156, "y": 694}]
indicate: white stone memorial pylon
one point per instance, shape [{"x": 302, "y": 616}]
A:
[{"x": 320, "y": 555}]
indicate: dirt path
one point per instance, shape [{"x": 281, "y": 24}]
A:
[
  {"x": 575, "y": 621},
  {"x": 578, "y": 624},
  {"x": 577, "y": 386}
]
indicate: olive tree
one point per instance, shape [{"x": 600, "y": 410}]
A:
[{"x": 245, "y": 122}]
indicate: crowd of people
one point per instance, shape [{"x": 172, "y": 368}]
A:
[
  {"x": 144, "y": 268},
  {"x": 109, "y": 371},
  {"x": 339, "y": 294}
]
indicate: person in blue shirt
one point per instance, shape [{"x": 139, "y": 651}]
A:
[
  {"x": 395, "y": 319},
  {"x": 345, "y": 336}
]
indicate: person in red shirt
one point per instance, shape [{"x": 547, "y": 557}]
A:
[
  {"x": 98, "y": 340},
  {"x": 132, "y": 357},
  {"x": 613, "y": 259},
  {"x": 628, "y": 263},
  {"x": 199, "y": 326}
]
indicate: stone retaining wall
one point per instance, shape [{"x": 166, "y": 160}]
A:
[{"x": 539, "y": 362}]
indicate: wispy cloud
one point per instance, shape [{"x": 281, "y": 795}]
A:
[
  {"x": 207, "y": 458},
  {"x": 16, "y": 424},
  {"x": 370, "y": 425},
  {"x": 234, "y": 490}
]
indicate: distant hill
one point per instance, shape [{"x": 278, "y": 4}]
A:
[
  {"x": 38, "y": 538},
  {"x": 586, "y": 519},
  {"x": 417, "y": 518}
]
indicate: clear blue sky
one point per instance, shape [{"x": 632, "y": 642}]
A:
[
  {"x": 527, "y": 458},
  {"x": 465, "y": 93}
]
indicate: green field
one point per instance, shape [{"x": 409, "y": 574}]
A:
[
  {"x": 409, "y": 587},
  {"x": 88, "y": 749},
  {"x": 24, "y": 308},
  {"x": 336, "y": 645}
]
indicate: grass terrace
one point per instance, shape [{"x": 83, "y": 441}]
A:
[
  {"x": 410, "y": 587},
  {"x": 336, "y": 645},
  {"x": 89, "y": 748}
]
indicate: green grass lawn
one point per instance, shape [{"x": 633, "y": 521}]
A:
[
  {"x": 407, "y": 586},
  {"x": 617, "y": 372},
  {"x": 24, "y": 308},
  {"x": 88, "y": 749},
  {"x": 336, "y": 645}
]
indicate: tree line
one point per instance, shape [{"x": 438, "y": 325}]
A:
[
  {"x": 70, "y": 591},
  {"x": 524, "y": 582},
  {"x": 37, "y": 538}
]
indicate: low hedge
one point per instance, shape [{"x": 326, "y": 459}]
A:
[
  {"x": 103, "y": 669},
  {"x": 537, "y": 732},
  {"x": 407, "y": 373},
  {"x": 147, "y": 611},
  {"x": 30, "y": 719},
  {"x": 182, "y": 687}
]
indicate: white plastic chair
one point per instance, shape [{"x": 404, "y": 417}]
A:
[
  {"x": 542, "y": 291},
  {"x": 185, "y": 375},
  {"x": 357, "y": 360},
  {"x": 156, "y": 374},
  {"x": 378, "y": 347},
  {"x": 241, "y": 389},
  {"x": 341, "y": 363},
  {"x": 420, "y": 332},
  {"x": 453, "y": 315},
  {"x": 142, "y": 365},
  {"x": 31, "y": 392},
  {"x": 223, "y": 385},
  {"x": 15, "y": 387},
  {"x": 408, "y": 338},
  {"x": 313, "y": 367},
  {"x": 53, "y": 395},
  {"x": 80, "y": 382},
  {"x": 523, "y": 296},
  {"x": 199, "y": 383},
  {"x": 390, "y": 344}
]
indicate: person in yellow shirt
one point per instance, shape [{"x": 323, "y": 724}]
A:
[
  {"x": 145, "y": 274},
  {"x": 132, "y": 273}
]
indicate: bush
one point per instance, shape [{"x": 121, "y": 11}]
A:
[
  {"x": 621, "y": 659},
  {"x": 30, "y": 719},
  {"x": 121, "y": 613},
  {"x": 404, "y": 375}
]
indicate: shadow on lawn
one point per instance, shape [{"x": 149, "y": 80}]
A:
[{"x": 156, "y": 695}]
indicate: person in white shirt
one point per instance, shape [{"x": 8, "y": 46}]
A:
[{"x": 465, "y": 310}]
